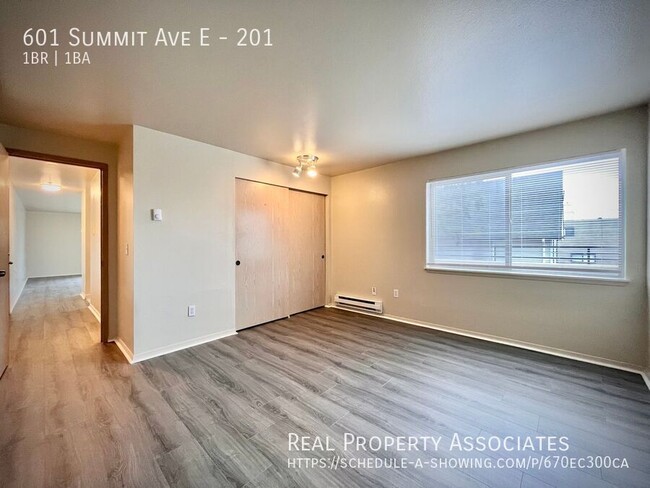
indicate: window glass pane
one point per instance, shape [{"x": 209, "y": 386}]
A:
[
  {"x": 567, "y": 216},
  {"x": 537, "y": 216},
  {"x": 559, "y": 218},
  {"x": 470, "y": 221}
]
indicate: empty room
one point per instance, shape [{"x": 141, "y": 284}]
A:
[{"x": 325, "y": 243}]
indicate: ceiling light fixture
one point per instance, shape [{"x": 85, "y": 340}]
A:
[
  {"x": 306, "y": 160},
  {"x": 51, "y": 187}
]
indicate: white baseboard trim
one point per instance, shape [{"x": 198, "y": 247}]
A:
[
  {"x": 646, "y": 377},
  {"x": 128, "y": 354},
  {"x": 95, "y": 312},
  {"x": 22, "y": 288},
  {"x": 53, "y": 276},
  {"x": 161, "y": 351},
  {"x": 83, "y": 296},
  {"x": 585, "y": 358}
]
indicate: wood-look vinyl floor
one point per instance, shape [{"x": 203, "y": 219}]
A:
[{"x": 75, "y": 413}]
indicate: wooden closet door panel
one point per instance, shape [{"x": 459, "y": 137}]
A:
[
  {"x": 319, "y": 251},
  {"x": 306, "y": 248},
  {"x": 261, "y": 248}
]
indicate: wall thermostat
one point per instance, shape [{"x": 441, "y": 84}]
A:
[{"x": 156, "y": 214}]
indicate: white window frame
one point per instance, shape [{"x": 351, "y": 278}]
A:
[{"x": 579, "y": 273}]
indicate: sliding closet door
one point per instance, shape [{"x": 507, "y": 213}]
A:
[
  {"x": 307, "y": 251},
  {"x": 261, "y": 253}
]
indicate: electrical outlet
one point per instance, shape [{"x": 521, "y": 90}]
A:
[
  {"x": 374, "y": 290},
  {"x": 395, "y": 293},
  {"x": 191, "y": 311}
]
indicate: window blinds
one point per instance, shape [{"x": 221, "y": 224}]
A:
[{"x": 562, "y": 218}]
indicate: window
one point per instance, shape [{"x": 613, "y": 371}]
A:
[{"x": 556, "y": 219}]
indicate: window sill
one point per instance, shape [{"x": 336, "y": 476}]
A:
[{"x": 590, "y": 280}]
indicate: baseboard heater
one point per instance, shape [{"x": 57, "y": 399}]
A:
[{"x": 361, "y": 304}]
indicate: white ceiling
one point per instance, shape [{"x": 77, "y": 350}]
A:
[
  {"x": 27, "y": 175},
  {"x": 359, "y": 83}
]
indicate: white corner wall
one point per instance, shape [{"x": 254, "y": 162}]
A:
[
  {"x": 91, "y": 243},
  {"x": 648, "y": 250},
  {"x": 18, "y": 270},
  {"x": 85, "y": 247},
  {"x": 188, "y": 258},
  {"x": 378, "y": 239},
  {"x": 53, "y": 244},
  {"x": 93, "y": 229}
]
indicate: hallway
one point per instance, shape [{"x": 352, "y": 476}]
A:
[{"x": 59, "y": 393}]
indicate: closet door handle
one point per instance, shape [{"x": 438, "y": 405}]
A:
[
  {"x": 237, "y": 263},
  {"x": 3, "y": 273}
]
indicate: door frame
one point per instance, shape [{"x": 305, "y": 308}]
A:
[{"x": 103, "y": 168}]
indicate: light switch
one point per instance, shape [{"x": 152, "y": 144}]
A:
[{"x": 156, "y": 214}]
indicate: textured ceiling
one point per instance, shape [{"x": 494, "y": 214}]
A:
[{"x": 359, "y": 83}]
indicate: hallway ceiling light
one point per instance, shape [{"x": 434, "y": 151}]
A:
[
  {"x": 306, "y": 160},
  {"x": 51, "y": 187}
]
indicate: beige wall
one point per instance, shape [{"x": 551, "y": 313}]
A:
[
  {"x": 188, "y": 258},
  {"x": 18, "y": 270},
  {"x": 60, "y": 145},
  {"x": 378, "y": 239},
  {"x": 53, "y": 244},
  {"x": 125, "y": 241}
]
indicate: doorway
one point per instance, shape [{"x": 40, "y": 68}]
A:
[{"x": 84, "y": 186}]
